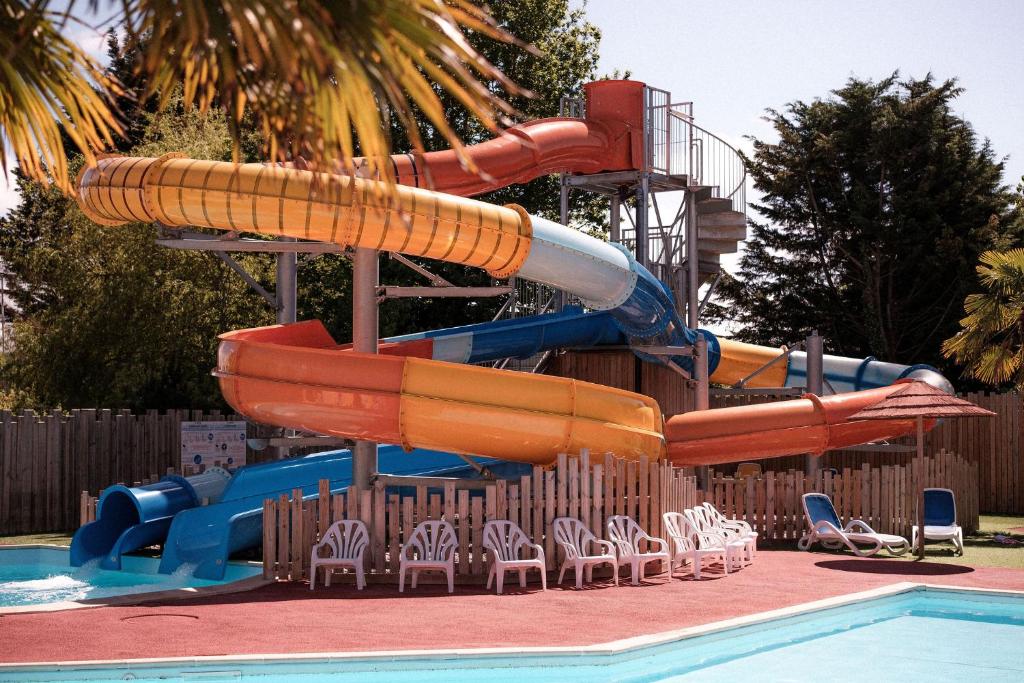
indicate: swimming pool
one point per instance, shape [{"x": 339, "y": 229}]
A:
[
  {"x": 43, "y": 575},
  {"x": 912, "y": 634}
]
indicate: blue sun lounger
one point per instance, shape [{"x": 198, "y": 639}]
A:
[
  {"x": 940, "y": 519},
  {"x": 825, "y": 528}
]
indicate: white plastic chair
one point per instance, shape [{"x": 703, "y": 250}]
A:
[
  {"x": 689, "y": 546},
  {"x": 736, "y": 528},
  {"x": 345, "y": 542},
  {"x": 736, "y": 544},
  {"x": 940, "y": 519},
  {"x": 626, "y": 535},
  {"x": 430, "y": 548},
  {"x": 575, "y": 539},
  {"x": 506, "y": 541}
]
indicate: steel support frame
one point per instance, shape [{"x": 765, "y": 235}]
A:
[
  {"x": 365, "y": 278},
  {"x": 815, "y": 385}
]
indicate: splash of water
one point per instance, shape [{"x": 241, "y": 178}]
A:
[
  {"x": 185, "y": 570},
  {"x": 88, "y": 569}
]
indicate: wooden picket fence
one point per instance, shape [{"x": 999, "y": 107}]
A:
[
  {"x": 574, "y": 488},
  {"x": 995, "y": 444},
  {"x": 47, "y": 460},
  {"x": 884, "y": 496}
]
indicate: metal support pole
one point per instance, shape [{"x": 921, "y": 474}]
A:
[
  {"x": 816, "y": 386},
  {"x": 365, "y": 276},
  {"x": 285, "y": 299},
  {"x": 700, "y": 396},
  {"x": 614, "y": 219},
  {"x": 642, "y": 195},
  {"x": 287, "y": 285},
  {"x": 700, "y": 374},
  {"x": 563, "y": 218},
  {"x": 922, "y": 469},
  {"x": 692, "y": 264}
]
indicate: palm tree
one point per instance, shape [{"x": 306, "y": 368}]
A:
[
  {"x": 317, "y": 76},
  {"x": 991, "y": 343}
]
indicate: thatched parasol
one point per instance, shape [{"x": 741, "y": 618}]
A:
[{"x": 919, "y": 401}]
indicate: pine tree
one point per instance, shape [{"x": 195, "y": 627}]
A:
[{"x": 876, "y": 203}]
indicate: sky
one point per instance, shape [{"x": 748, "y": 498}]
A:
[{"x": 735, "y": 59}]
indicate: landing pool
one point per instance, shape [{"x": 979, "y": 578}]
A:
[{"x": 43, "y": 575}]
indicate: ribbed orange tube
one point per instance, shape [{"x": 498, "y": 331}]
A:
[{"x": 273, "y": 200}]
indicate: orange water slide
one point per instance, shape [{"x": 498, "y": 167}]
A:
[
  {"x": 295, "y": 375},
  {"x": 608, "y": 138},
  {"x": 810, "y": 424}
]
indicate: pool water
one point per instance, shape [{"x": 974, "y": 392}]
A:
[
  {"x": 39, "y": 575},
  {"x": 916, "y": 635}
]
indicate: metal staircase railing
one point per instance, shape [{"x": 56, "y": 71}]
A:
[{"x": 679, "y": 155}]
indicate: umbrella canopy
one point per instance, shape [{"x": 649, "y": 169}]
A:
[{"x": 918, "y": 399}]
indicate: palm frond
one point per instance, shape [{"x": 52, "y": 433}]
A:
[
  {"x": 318, "y": 76},
  {"x": 990, "y": 343},
  {"x": 49, "y": 88}
]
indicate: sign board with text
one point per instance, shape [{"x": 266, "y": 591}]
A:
[{"x": 213, "y": 443}]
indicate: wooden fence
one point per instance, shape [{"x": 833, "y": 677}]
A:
[
  {"x": 573, "y": 488},
  {"x": 884, "y": 496},
  {"x": 994, "y": 444},
  {"x": 46, "y": 461}
]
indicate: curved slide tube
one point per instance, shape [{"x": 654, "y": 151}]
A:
[
  {"x": 811, "y": 424},
  {"x": 129, "y": 518},
  {"x": 205, "y": 537},
  {"x": 608, "y": 138}
]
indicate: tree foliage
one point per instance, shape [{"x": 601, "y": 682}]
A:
[
  {"x": 110, "y": 319},
  {"x": 990, "y": 344},
  {"x": 876, "y": 203},
  {"x": 566, "y": 58}
]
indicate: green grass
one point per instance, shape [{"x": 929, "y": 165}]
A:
[
  {"x": 980, "y": 548},
  {"x": 62, "y": 538}
]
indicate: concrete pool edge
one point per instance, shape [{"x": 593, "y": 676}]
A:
[
  {"x": 240, "y": 585},
  {"x": 608, "y": 648}
]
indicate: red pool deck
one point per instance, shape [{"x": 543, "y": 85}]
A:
[{"x": 288, "y": 618}]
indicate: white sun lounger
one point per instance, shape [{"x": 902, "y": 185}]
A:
[{"x": 825, "y": 528}]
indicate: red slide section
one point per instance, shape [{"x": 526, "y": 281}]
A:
[
  {"x": 610, "y": 138},
  {"x": 811, "y": 424}
]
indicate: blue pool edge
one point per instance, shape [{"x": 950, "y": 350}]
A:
[
  {"x": 244, "y": 584},
  {"x": 623, "y": 646}
]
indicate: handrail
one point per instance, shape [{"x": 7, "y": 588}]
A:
[{"x": 713, "y": 162}]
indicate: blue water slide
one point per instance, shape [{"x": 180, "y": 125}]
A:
[
  {"x": 129, "y": 518},
  {"x": 205, "y": 537},
  {"x": 857, "y": 374}
]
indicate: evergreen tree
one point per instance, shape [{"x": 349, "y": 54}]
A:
[{"x": 876, "y": 203}]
